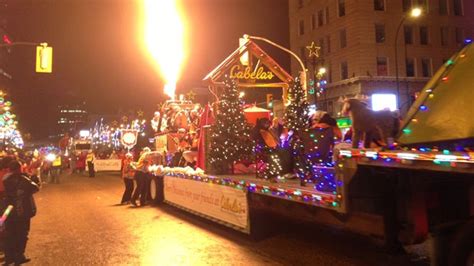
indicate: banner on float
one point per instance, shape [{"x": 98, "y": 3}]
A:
[
  {"x": 108, "y": 165},
  {"x": 220, "y": 202}
]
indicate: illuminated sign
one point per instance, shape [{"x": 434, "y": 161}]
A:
[
  {"x": 236, "y": 72},
  {"x": 129, "y": 138}
]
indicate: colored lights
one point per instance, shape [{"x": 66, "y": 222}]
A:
[
  {"x": 423, "y": 107},
  {"x": 423, "y": 154},
  {"x": 407, "y": 156},
  {"x": 320, "y": 199}
]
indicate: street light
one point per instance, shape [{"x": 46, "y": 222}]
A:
[{"x": 414, "y": 13}]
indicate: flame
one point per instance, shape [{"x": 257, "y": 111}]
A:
[{"x": 165, "y": 38}]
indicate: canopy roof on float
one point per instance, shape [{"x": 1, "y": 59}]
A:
[
  {"x": 444, "y": 110},
  {"x": 252, "y": 68}
]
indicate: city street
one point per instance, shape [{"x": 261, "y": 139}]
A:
[{"x": 80, "y": 223}]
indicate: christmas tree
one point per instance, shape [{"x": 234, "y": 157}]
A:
[
  {"x": 297, "y": 119},
  {"x": 9, "y": 135},
  {"x": 230, "y": 137},
  {"x": 296, "y": 113}
]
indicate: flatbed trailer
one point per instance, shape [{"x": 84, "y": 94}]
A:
[{"x": 396, "y": 197}]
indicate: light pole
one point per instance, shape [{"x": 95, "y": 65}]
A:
[
  {"x": 314, "y": 54},
  {"x": 414, "y": 13}
]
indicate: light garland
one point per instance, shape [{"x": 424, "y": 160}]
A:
[
  {"x": 321, "y": 199},
  {"x": 423, "y": 154}
]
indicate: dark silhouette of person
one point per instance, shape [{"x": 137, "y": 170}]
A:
[{"x": 19, "y": 190}]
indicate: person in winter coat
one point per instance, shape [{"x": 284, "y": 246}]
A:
[
  {"x": 90, "y": 158},
  {"x": 19, "y": 190},
  {"x": 141, "y": 177},
  {"x": 127, "y": 177}
]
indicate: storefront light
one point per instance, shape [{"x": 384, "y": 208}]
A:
[{"x": 384, "y": 101}]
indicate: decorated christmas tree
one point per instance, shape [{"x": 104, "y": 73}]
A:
[
  {"x": 297, "y": 112},
  {"x": 9, "y": 135},
  {"x": 297, "y": 119},
  {"x": 230, "y": 137}
]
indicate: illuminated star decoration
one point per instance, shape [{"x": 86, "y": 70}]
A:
[
  {"x": 191, "y": 96},
  {"x": 140, "y": 113},
  {"x": 313, "y": 50}
]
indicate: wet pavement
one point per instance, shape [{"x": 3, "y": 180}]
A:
[{"x": 80, "y": 222}]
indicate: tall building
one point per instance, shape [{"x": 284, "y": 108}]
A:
[
  {"x": 358, "y": 40},
  {"x": 71, "y": 118}
]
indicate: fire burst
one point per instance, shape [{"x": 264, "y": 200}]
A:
[{"x": 164, "y": 37}]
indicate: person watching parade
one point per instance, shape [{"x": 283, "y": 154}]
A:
[
  {"x": 127, "y": 177},
  {"x": 19, "y": 190},
  {"x": 90, "y": 158},
  {"x": 56, "y": 169},
  {"x": 141, "y": 176}
]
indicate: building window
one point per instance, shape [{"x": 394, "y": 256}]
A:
[
  {"x": 379, "y": 33},
  {"x": 326, "y": 15},
  {"x": 457, "y": 7},
  {"x": 303, "y": 53},
  {"x": 410, "y": 67},
  {"x": 423, "y": 35},
  {"x": 408, "y": 34},
  {"x": 313, "y": 21},
  {"x": 344, "y": 71},
  {"x": 300, "y": 3},
  {"x": 301, "y": 27},
  {"x": 321, "y": 44},
  {"x": 341, "y": 7},
  {"x": 444, "y": 35},
  {"x": 459, "y": 35},
  {"x": 382, "y": 66},
  {"x": 426, "y": 67},
  {"x": 342, "y": 38},
  {"x": 330, "y": 109},
  {"x": 320, "y": 18},
  {"x": 423, "y": 4},
  {"x": 406, "y": 5},
  {"x": 379, "y": 5},
  {"x": 329, "y": 73},
  {"x": 443, "y": 7},
  {"x": 328, "y": 44}
]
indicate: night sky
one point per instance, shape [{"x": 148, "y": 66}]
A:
[{"x": 99, "y": 56}]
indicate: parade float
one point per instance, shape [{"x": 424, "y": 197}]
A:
[
  {"x": 422, "y": 187},
  {"x": 417, "y": 187}
]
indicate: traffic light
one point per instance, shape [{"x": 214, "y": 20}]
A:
[
  {"x": 269, "y": 100},
  {"x": 44, "y": 58}
]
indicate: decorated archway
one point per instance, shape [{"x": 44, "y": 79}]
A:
[{"x": 252, "y": 67}]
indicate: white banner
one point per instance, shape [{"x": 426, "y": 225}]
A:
[
  {"x": 223, "y": 203},
  {"x": 107, "y": 165}
]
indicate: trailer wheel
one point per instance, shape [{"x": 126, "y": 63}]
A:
[{"x": 462, "y": 252}]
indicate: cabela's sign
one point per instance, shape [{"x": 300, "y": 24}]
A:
[{"x": 236, "y": 72}]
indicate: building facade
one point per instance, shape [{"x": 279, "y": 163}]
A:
[{"x": 358, "y": 40}]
